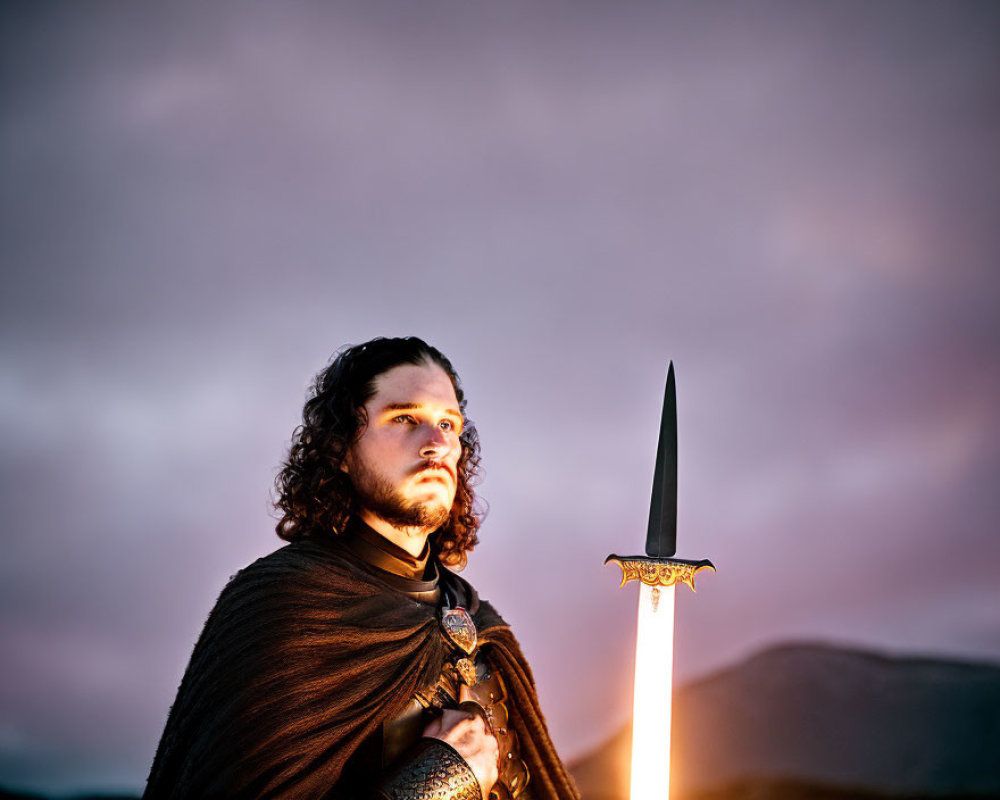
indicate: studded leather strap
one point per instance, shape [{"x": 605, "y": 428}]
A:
[{"x": 433, "y": 770}]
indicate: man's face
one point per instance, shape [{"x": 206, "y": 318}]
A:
[{"x": 404, "y": 466}]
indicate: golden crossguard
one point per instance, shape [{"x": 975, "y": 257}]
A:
[{"x": 659, "y": 571}]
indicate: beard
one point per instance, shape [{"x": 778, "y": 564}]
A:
[{"x": 379, "y": 496}]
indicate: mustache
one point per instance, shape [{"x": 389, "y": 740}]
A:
[{"x": 431, "y": 465}]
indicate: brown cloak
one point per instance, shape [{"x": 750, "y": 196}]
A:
[{"x": 303, "y": 657}]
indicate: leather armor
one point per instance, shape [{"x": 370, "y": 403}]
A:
[{"x": 402, "y": 744}]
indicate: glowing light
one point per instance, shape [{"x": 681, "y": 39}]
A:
[{"x": 651, "y": 705}]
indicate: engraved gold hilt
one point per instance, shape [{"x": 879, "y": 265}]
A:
[{"x": 659, "y": 571}]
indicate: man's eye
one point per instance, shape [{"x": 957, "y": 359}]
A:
[
  {"x": 404, "y": 418},
  {"x": 446, "y": 425}
]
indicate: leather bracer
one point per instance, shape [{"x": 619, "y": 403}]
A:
[{"x": 432, "y": 770}]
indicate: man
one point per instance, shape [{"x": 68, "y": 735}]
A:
[{"x": 353, "y": 663}]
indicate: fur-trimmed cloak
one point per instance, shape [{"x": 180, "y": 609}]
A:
[{"x": 302, "y": 659}]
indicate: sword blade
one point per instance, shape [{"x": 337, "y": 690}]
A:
[
  {"x": 657, "y": 572},
  {"x": 652, "y": 701},
  {"x": 661, "y": 535}
]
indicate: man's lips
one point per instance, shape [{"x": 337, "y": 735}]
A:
[{"x": 434, "y": 472}]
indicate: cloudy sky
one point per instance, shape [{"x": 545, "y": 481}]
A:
[{"x": 797, "y": 202}]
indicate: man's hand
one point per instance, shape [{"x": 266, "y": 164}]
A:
[{"x": 467, "y": 733}]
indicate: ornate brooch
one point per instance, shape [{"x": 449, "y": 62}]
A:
[{"x": 460, "y": 630}]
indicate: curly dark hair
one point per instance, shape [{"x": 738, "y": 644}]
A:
[{"x": 315, "y": 496}]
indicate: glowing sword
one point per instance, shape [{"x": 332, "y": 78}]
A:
[{"x": 657, "y": 573}]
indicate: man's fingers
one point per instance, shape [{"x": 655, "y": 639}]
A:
[
  {"x": 473, "y": 740},
  {"x": 450, "y": 720}
]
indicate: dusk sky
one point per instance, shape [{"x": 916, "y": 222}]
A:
[{"x": 797, "y": 202}]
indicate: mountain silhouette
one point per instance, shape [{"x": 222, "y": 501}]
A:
[{"x": 814, "y": 715}]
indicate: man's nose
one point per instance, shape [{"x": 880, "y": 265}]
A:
[{"x": 436, "y": 444}]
